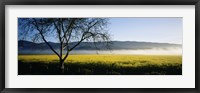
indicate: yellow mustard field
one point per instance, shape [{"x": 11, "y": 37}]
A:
[{"x": 123, "y": 60}]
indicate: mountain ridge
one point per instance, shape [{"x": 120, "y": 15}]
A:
[{"x": 28, "y": 45}]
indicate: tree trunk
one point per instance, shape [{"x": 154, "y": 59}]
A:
[{"x": 62, "y": 66}]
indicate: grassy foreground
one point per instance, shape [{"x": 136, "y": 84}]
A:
[{"x": 101, "y": 65}]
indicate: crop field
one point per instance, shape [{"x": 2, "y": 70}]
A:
[{"x": 101, "y": 65}]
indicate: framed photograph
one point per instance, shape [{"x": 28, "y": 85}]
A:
[{"x": 99, "y": 46}]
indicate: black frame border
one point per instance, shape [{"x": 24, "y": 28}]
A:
[{"x": 3, "y": 3}]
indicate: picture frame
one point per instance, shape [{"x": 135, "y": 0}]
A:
[{"x": 99, "y": 2}]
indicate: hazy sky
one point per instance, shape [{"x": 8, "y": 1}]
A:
[{"x": 167, "y": 30}]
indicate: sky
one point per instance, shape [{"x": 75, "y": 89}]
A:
[
  {"x": 157, "y": 29},
  {"x": 162, "y": 30}
]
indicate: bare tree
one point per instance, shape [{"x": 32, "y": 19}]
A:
[{"x": 66, "y": 31}]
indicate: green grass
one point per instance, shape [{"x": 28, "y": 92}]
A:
[{"x": 102, "y": 64}]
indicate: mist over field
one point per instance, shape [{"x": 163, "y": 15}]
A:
[{"x": 155, "y": 51}]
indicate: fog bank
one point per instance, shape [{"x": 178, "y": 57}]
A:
[{"x": 153, "y": 51}]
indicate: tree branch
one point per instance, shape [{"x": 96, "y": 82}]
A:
[
  {"x": 36, "y": 25},
  {"x": 58, "y": 31}
]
